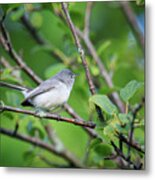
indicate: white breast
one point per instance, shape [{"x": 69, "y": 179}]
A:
[{"x": 55, "y": 97}]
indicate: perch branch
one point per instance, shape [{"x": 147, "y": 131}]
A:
[
  {"x": 48, "y": 116},
  {"x": 35, "y": 141},
  {"x": 131, "y": 18}
]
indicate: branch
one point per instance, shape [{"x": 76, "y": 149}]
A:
[
  {"x": 101, "y": 67},
  {"x": 6, "y": 43},
  {"x": 14, "y": 71},
  {"x": 52, "y": 136},
  {"x": 87, "y": 18},
  {"x": 40, "y": 40},
  {"x": 48, "y": 116},
  {"x": 138, "y": 107},
  {"x": 5, "y": 63},
  {"x": 132, "y": 144},
  {"x": 131, "y": 18},
  {"x": 82, "y": 56},
  {"x": 32, "y": 30},
  {"x": 119, "y": 152},
  {"x": 35, "y": 141},
  {"x": 131, "y": 133},
  {"x": 73, "y": 114},
  {"x": 79, "y": 47}
]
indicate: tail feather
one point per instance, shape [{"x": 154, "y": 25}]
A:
[
  {"x": 26, "y": 102},
  {"x": 24, "y": 90}
]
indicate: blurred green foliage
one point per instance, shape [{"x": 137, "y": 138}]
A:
[{"x": 118, "y": 49}]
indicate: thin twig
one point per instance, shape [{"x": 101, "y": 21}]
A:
[
  {"x": 79, "y": 47},
  {"x": 73, "y": 114},
  {"x": 5, "y": 63},
  {"x": 131, "y": 133},
  {"x": 52, "y": 136},
  {"x": 119, "y": 152},
  {"x": 61, "y": 153},
  {"x": 14, "y": 70},
  {"x": 87, "y": 18},
  {"x": 131, "y": 18},
  {"x": 49, "y": 116},
  {"x": 82, "y": 56},
  {"x": 132, "y": 144},
  {"x": 32, "y": 30},
  {"x": 40, "y": 40}
]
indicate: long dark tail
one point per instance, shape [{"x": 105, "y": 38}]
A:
[
  {"x": 24, "y": 90},
  {"x": 12, "y": 86}
]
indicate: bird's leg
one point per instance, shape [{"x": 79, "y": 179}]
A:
[{"x": 40, "y": 112}]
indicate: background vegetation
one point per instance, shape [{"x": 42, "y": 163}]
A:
[{"x": 42, "y": 38}]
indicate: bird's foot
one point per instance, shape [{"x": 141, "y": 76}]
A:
[{"x": 40, "y": 113}]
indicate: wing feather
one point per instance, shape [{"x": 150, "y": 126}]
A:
[{"x": 42, "y": 88}]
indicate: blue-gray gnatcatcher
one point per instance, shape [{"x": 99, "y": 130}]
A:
[{"x": 51, "y": 93}]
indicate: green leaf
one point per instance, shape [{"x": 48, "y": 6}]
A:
[
  {"x": 103, "y": 150},
  {"x": 29, "y": 126},
  {"x": 29, "y": 155},
  {"x": 16, "y": 15},
  {"x": 36, "y": 130},
  {"x": 95, "y": 142},
  {"x": 7, "y": 8},
  {"x": 13, "y": 98},
  {"x": 110, "y": 164},
  {"x": 36, "y": 19},
  {"x": 103, "y": 47},
  {"x": 124, "y": 118},
  {"x": 104, "y": 103},
  {"x": 130, "y": 89},
  {"x": 140, "y": 2}
]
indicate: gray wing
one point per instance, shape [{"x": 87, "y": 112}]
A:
[{"x": 42, "y": 88}]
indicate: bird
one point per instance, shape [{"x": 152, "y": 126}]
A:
[{"x": 50, "y": 94}]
